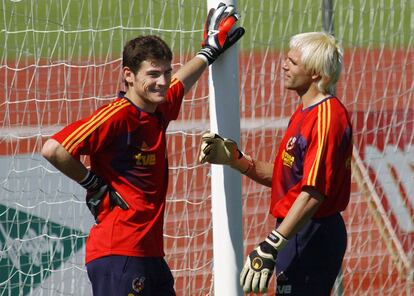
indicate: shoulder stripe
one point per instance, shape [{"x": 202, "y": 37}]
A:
[
  {"x": 174, "y": 81},
  {"x": 323, "y": 125},
  {"x": 93, "y": 118},
  {"x": 88, "y": 127}
]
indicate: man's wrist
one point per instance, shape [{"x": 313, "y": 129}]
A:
[
  {"x": 209, "y": 53},
  {"x": 244, "y": 164},
  {"x": 91, "y": 181},
  {"x": 276, "y": 240},
  {"x": 203, "y": 57}
]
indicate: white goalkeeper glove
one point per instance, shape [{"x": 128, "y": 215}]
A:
[
  {"x": 260, "y": 263},
  {"x": 217, "y": 150},
  {"x": 217, "y": 36}
]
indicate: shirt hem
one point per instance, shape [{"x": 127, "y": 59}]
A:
[{"x": 90, "y": 258}]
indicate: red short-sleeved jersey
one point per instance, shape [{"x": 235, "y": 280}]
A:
[
  {"x": 127, "y": 148},
  {"x": 316, "y": 151}
]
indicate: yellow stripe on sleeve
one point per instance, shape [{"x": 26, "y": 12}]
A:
[
  {"x": 323, "y": 125},
  {"x": 174, "y": 81},
  {"x": 88, "y": 127},
  {"x": 81, "y": 127}
]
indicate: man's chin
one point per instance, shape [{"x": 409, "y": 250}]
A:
[
  {"x": 159, "y": 95},
  {"x": 159, "y": 99}
]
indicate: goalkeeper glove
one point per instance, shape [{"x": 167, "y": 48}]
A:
[
  {"x": 260, "y": 264},
  {"x": 96, "y": 190},
  {"x": 217, "y": 150},
  {"x": 217, "y": 36}
]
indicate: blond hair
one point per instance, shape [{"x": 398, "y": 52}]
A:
[{"x": 321, "y": 55}]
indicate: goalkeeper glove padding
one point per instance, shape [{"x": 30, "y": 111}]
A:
[
  {"x": 96, "y": 190},
  {"x": 260, "y": 263},
  {"x": 218, "y": 150},
  {"x": 217, "y": 36}
]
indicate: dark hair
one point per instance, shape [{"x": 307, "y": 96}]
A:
[{"x": 143, "y": 48}]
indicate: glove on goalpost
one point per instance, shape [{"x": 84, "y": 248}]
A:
[
  {"x": 218, "y": 150},
  {"x": 217, "y": 36},
  {"x": 260, "y": 264},
  {"x": 96, "y": 189}
]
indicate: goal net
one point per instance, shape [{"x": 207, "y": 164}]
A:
[{"x": 62, "y": 59}]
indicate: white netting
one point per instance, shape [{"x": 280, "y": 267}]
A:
[{"x": 61, "y": 59}]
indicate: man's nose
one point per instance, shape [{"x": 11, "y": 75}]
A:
[
  {"x": 284, "y": 65},
  {"x": 162, "y": 80}
]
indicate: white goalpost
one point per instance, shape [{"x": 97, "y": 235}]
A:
[
  {"x": 226, "y": 186},
  {"x": 60, "y": 60}
]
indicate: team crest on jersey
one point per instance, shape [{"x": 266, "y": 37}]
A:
[
  {"x": 138, "y": 284},
  {"x": 290, "y": 143}
]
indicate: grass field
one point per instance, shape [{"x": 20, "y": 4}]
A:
[{"x": 73, "y": 30}]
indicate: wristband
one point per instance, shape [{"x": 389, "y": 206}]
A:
[
  {"x": 90, "y": 181},
  {"x": 276, "y": 240},
  {"x": 243, "y": 164},
  {"x": 209, "y": 53}
]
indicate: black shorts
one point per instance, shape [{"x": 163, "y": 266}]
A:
[
  {"x": 124, "y": 275},
  {"x": 311, "y": 260}
]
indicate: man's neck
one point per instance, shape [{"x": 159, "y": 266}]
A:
[
  {"x": 312, "y": 96},
  {"x": 137, "y": 101}
]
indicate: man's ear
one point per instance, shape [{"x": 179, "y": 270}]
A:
[
  {"x": 128, "y": 75},
  {"x": 316, "y": 77}
]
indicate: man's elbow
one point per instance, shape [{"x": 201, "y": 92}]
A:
[{"x": 50, "y": 150}]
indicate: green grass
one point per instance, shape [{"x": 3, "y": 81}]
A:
[{"x": 79, "y": 29}]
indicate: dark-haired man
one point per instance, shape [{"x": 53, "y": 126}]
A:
[{"x": 128, "y": 176}]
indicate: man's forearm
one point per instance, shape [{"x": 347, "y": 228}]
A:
[
  {"x": 299, "y": 214},
  {"x": 63, "y": 161},
  {"x": 215, "y": 149},
  {"x": 261, "y": 172},
  {"x": 191, "y": 72}
]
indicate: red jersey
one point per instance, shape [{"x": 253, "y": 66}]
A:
[
  {"x": 316, "y": 152},
  {"x": 127, "y": 148}
]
